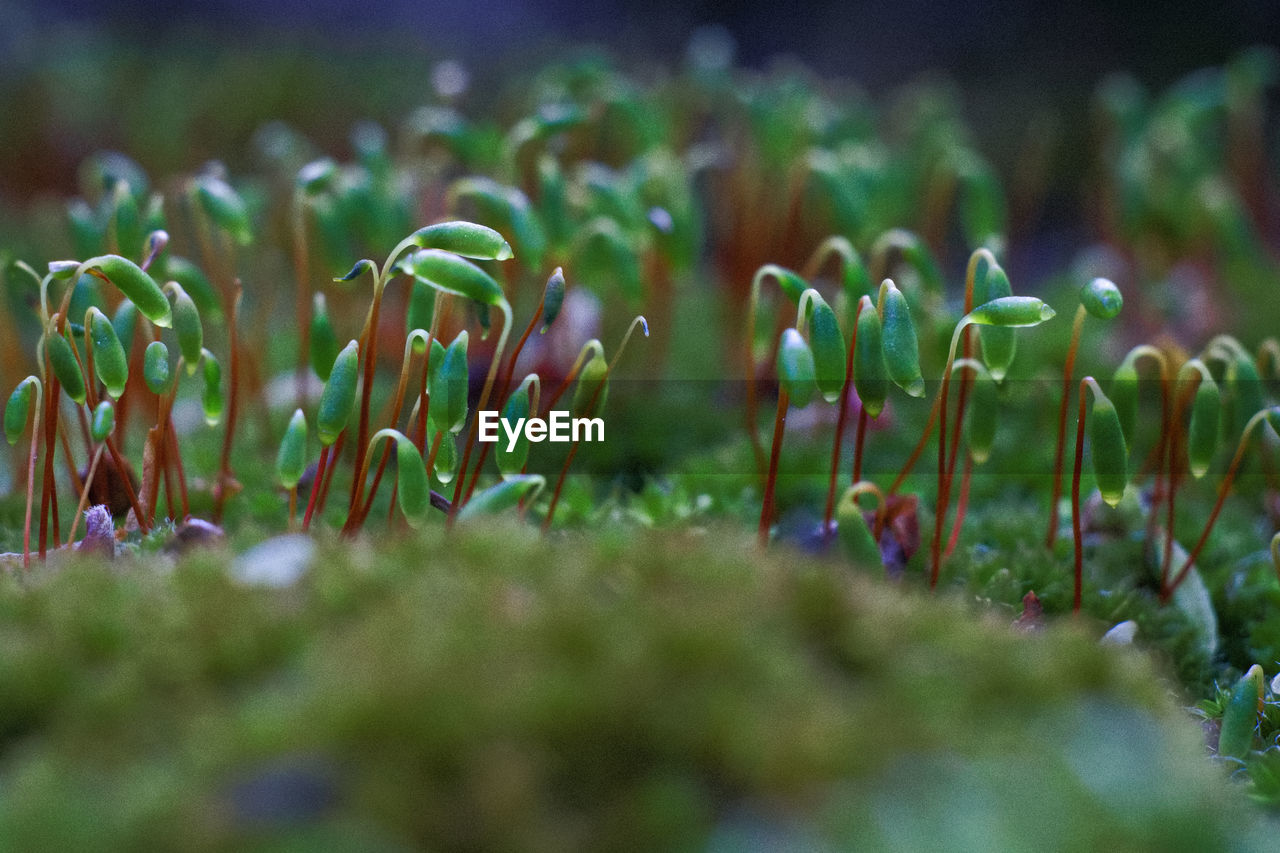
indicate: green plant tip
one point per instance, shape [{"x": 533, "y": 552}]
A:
[
  {"x": 1101, "y": 298},
  {"x": 1013, "y": 312}
]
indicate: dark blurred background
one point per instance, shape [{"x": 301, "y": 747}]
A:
[{"x": 175, "y": 84}]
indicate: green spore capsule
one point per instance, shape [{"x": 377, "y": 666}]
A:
[
  {"x": 1246, "y": 385},
  {"x": 1101, "y": 298},
  {"x": 413, "y": 491},
  {"x": 109, "y": 359},
  {"x": 980, "y": 427},
  {"x": 552, "y": 299},
  {"x": 901, "y": 348},
  {"x": 18, "y": 408},
  {"x": 65, "y": 367},
  {"x": 1124, "y": 396},
  {"x": 445, "y": 464},
  {"x": 103, "y": 421},
  {"x": 856, "y": 539},
  {"x": 136, "y": 284},
  {"x": 464, "y": 238},
  {"x": 503, "y": 496},
  {"x": 999, "y": 344},
  {"x": 323, "y": 344},
  {"x": 593, "y": 388},
  {"x": 1012, "y": 311},
  {"x": 829, "y": 353},
  {"x": 155, "y": 367},
  {"x": 870, "y": 376},
  {"x": 291, "y": 460},
  {"x": 338, "y": 398},
  {"x": 211, "y": 398},
  {"x": 1240, "y": 716},
  {"x": 225, "y": 208},
  {"x": 1110, "y": 454},
  {"x": 1202, "y": 434},
  {"x": 452, "y": 274},
  {"x": 448, "y": 383},
  {"x": 124, "y": 322},
  {"x": 796, "y": 371},
  {"x": 187, "y": 326}
]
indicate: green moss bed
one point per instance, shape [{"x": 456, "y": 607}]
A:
[{"x": 494, "y": 690}]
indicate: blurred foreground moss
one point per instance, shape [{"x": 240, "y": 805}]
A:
[{"x": 635, "y": 691}]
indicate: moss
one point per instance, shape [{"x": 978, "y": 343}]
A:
[{"x": 500, "y": 691}]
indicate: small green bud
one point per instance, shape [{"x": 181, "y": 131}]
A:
[
  {"x": 18, "y": 408},
  {"x": 1240, "y": 716},
  {"x": 829, "y": 353},
  {"x": 187, "y": 326},
  {"x": 413, "y": 491},
  {"x": 901, "y": 348},
  {"x": 109, "y": 359},
  {"x": 211, "y": 399},
  {"x": 502, "y": 496},
  {"x": 194, "y": 282},
  {"x": 1202, "y": 440},
  {"x": 552, "y": 299},
  {"x": 339, "y": 396},
  {"x": 291, "y": 461},
  {"x": 452, "y": 274},
  {"x": 155, "y": 367},
  {"x": 1012, "y": 311},
  {"x": 593, "y": 388},
  {"x": 446, "y": 461},
  {"x": 1101, "y": 298},
  {"x": 796, "y": 371},
  {"x": 464, "y": 238},
  {"x": 1110, "y": 454},
  {"x": 510, "y": 462},
  {"x": 65, "y": 367},
  {"x": 137, "y": 285},
  {"x": 103, "y": 421},
  {"x": 870, "y": 376},
  {"x": 449, "y": 382}
]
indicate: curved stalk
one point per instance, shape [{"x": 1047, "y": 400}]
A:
[{"x": 1068, "y": 369}]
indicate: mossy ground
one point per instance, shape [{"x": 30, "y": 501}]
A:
[{"x": 497, "y": 690}]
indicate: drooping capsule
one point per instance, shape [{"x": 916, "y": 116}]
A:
[
  {"x": 829, "y": 353},
  {"x": 1013, "y": 311},
  {"x": 338, "y": 398},
  {"x": 999, "y": 344},
  {"x": 1240, "y": 716},
  {"x": 984, "y": 403},
  {"x": 109, "y": 360},
  {"x": 65, "y": 367},
  {"x": 796, "y": 371},
  {"x": 413, "y": 492},
  {"x": 18, "y": 408},
  {"x": 323, "y": 343},
  {"x": 103, "y": 421},
  {"x": 447, "y": 381},
  {"x": 510, "y": 462},
  {"x": 1202, "y": 434},
  {"x": 552, "y": 299},
  {"x": 452, "y": 274},
  {"x": 463, "y": 238},
  {"x": 291, "y": 460},
  {"x": 1124, "y": 396},
  {"x": 422, "y": 308},
  {"x": 124, "y": 322},
  {"x": 502, "y": 496},
  {"x": 445, "y": 464},
  {"x": 187, "y": 326},
  {"x": 225, "y": 208},
  {"x": 870, "y": 376},
  {"x": 155, "y": 367},
  {"x": 593, "y": 388},
  {"x": 211, "y": 398},
  {"x": 135, "y": 283},
  {"x": 1107, "y": 446},
  {"x": 901, "y": 347}
]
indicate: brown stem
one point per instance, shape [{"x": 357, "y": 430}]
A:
[
  {"x": 182, "y": 473},
  {"x": 233, "y": 404},
  {"x": 333, "y": 466},
  {"x": 315, "y": 487},
  {"x": 944, "y": 487},
  {"x": 1068, "y": 369},
  {"x": 31, "y": 481},
  {"x": 770, "y": 483},
  {"x": 555, "y": 496},
  {"x": 962, "y": 507},
  {"x": 84, "y": 493}
]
